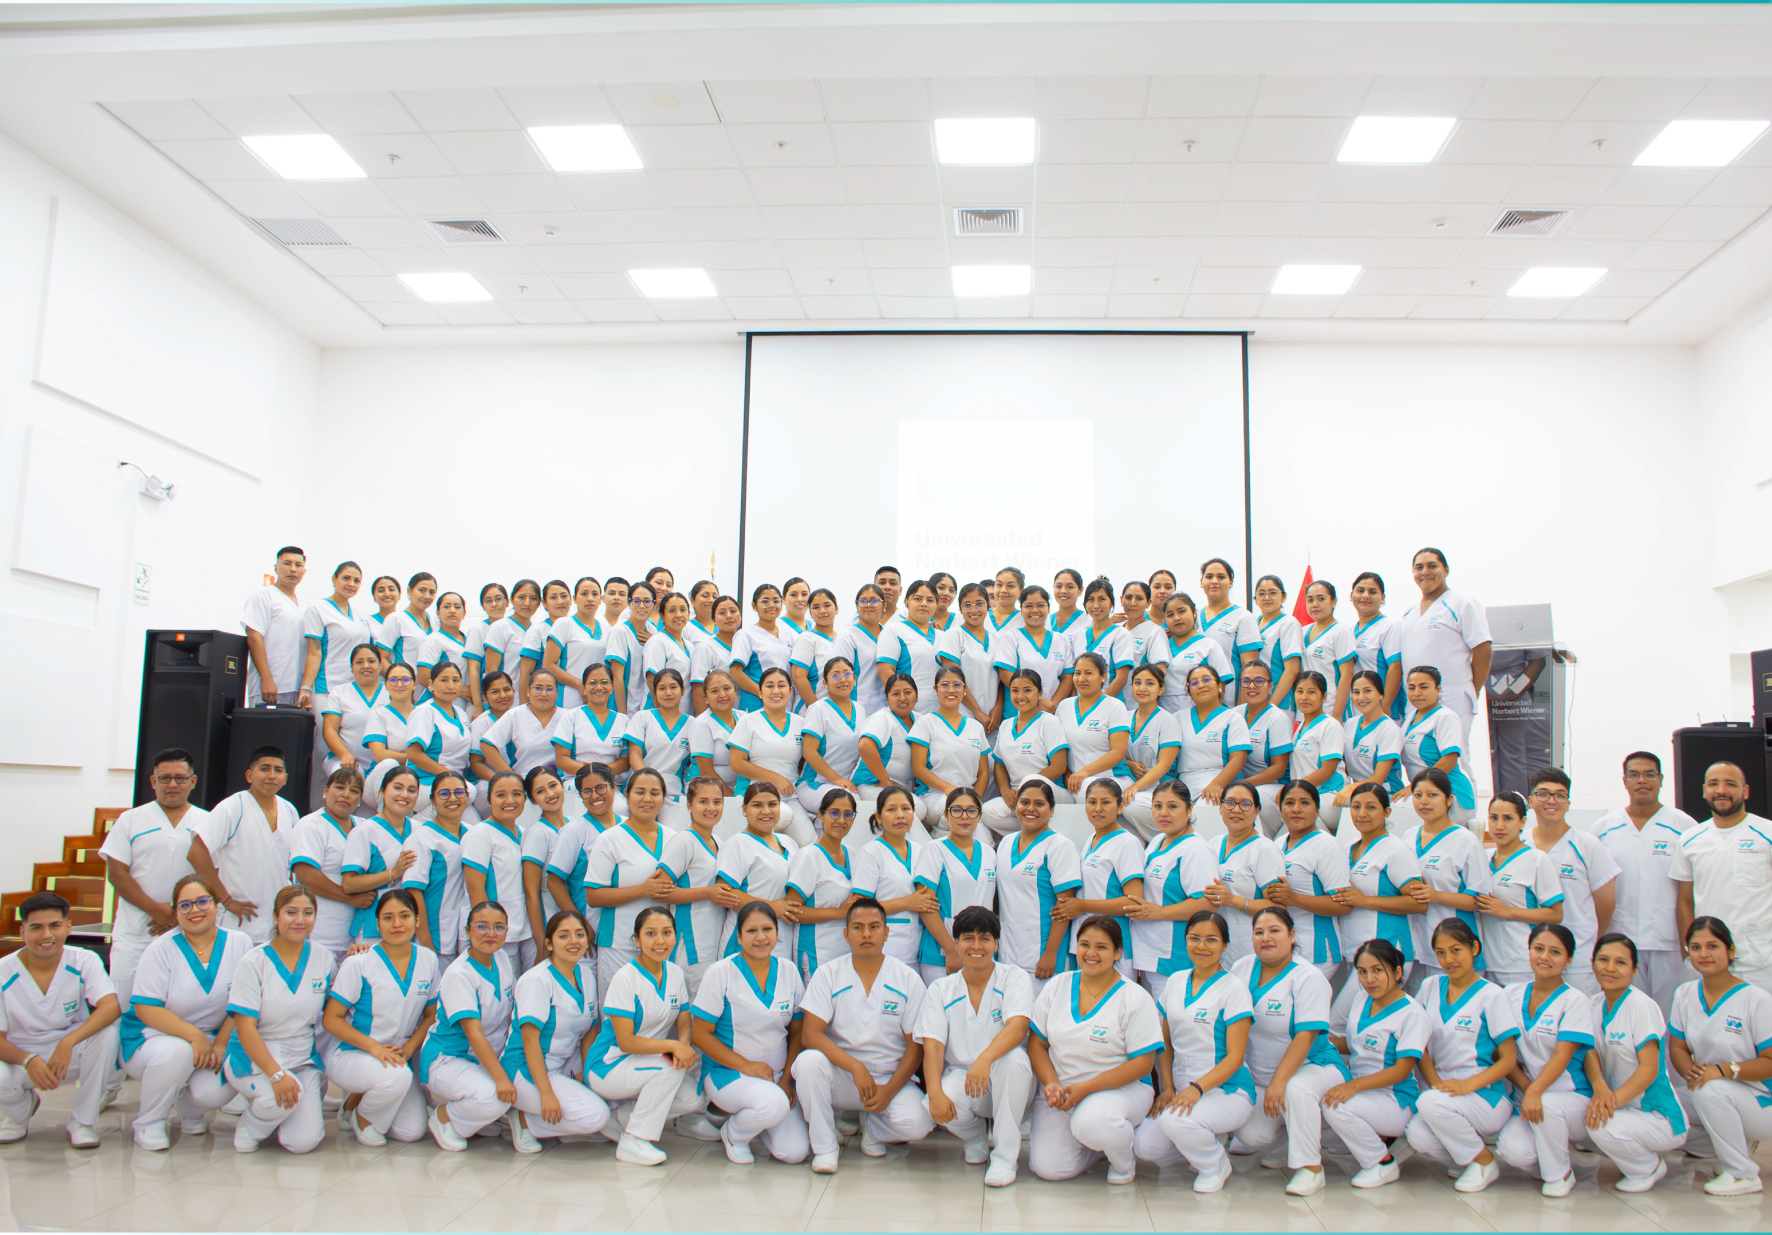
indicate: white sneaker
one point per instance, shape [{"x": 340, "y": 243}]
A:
[
  {"x": 1559, "y": 1187},
  {"x": 1726, "y": 1184},
  {"x": 1214, "y": 1182},
  {"x": 1129, "y": 1175},
  {"x": 1642, "y": 1183},
  {"x": 1378, "y": 1176},
  {"x": 365, "y": 1133},
  {"x": 111, "y": 1095},
  {"x": 636, "y": 1152},
  {"x": 194, "y": 1127},
  {"x": 697, "y": 1127},
  {"x": 1001, "y": 1175},
  {"x": 82, "y": 1136},
  {"x": 445, "y": 1134},
  {"x": 869, "y": 1145},
  {"x": 522, "y": 1139},
  {"x": 11, "y": 1131},
  {"x": 824, "y": 1164},
  {"x": 1476, "y": 1176},
  {"x": 153, "y": 1138},
  {"x": 235, "y": 1106},
  {"x": 243, "y": 1144},
  {"x": 1275, "y": 1158},
  {"x": 741, "y": 1154},
  {"x": 848, "y": 1124},
  {"x": 1306, "y": 1182},
  {"x": 977, "y": 1153}
]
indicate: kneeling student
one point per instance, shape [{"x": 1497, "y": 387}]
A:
[
  {"x": 58, "y": 1025},
  {"x": 971, "y": 1028}
]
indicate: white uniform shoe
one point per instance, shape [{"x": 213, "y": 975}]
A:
[
  {"x": 697, "y": 1127},
  {"x": 636, "y": 1152},
  {"x": 977, "y": 1153},
  {"x": 11, "y": 1132},
  {"x": 1306, "y": 1182},
  {"x": 153, "y": 1138},
  {"x": 1477, "y": 1176},
  {"x": 1378, "y": 1176},
  {"x": 365, "y": 1133},
  {"x": 824, "y": 1164},
  {"x": 1001, "y": 1175},
  {"x": 1559, "y": 1187},
  {"x": 869, "y": 1145},
  {"x": 1642, "y": 1183},
  {"x": 1726, "y": 1184},
  {"x": 1213, "y": 1183},
  {"x": 740, "y": 1154},
  {"x": 194, "y": 1127},
  {"x": 243, "y": 1144},
  {"x": 522, "y": 1139},
  {"x": 82, "y": 1136},
  {"x": 445, "y": 1134}
]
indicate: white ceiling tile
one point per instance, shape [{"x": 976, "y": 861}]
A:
[
  {"x": 1587, "y": 253},
  {"x": 344, "y": 115},
  {"x": 611, "y": 190},
  {"x": 384, "y": 287},
  {"x": 257, "y": 116},
  {"x": 1157, "y": 251},
  {"x": 1443, "y": 219},
  {"x": 494, "y": 153},
  {"x": 986, "y": 184},
  {"x": 1169, "y": 218},
  {"x": 415, "y": 260},
  {"x": 545, "y": 229},
  {"x": 819, "y": 253},
  {"x": 1302, "y": 95},
  {"x": 168, "y": 120},
  {"x": 651, "y": 254},
  {"x": 1656, "y": 186},
  {"x": 1423, "y": 253},
  {"x": 1189, "y": 141},
  {"x": 1202, "y": 96},
  {"x": 1223, "y": 306},
  {"x": 689, "y": 145},
  {"x": 1709, "y": 223},
  {"x": 346, "y": 197},
  {"x": 335, "y": 261},
  {"x": 544, "y": 312},
  {"x": 1088, "y": 141},
  {"x": 1349, "y": 219},
  {"x": 797, "y": 186},
  {"x": 783, "y": 145},
  {"x": 1071, "y": 253},
  {"x": 1619, "y": 223},
  {"x": 1732, "y": 98},
  {"x": 1225, "y": 280},
  {"x": 445, "y": 111},
  {"x": 1560, "y": 186},
  {"x": 616, "y": 310},
  {"x": 1067, "y": 306},
  {"x": 1146, "y": 306},
  {"x": 436, "y": 196},
  {"x": 1395, "y": 307},
  {"x": 557, "y": 105},
  {"x": 481, "y": 314},
  {"x": 1737, "y": 186},
  {"x": 216, "y": 159},
  {"x": 598, "y": 285},
  {"x": 722, "y": 223},
  {"x": 1090, "y": 98},
  {"x": 841, "y": 308},
  {"x": 917, "y": 307},
  {"x": 981, "y": 97},
  {"x": 1348, "y": 183},
  {"x": 808, "y": 222},
  {"x": 1300, "y": 306},
  {"x": 752, "y": 282},
  {"x": 767, "y": 102},
  {"x": 504, "y": 263},
  {"x": 832, "y": 282},
  {"x": 899, "y": 98},
  {"x": 1420, "y": 96},
  {"x": 736, "y": 254},
  {"x": 1389, "y": 281},
  {"x": 1470, "y": 183},
  {"x": 1274, "y": 182},
  {"x": 383, "y": 233},
  {"x": 985, "y": 306},
  {"x": 898, "y": 221},
  {"x": 1333, "y": 250},
  {"x": 1526, "y": 309},
  {"x": 912, "y": 282},
  {"x": 1669, "y": 254},
  {"x": 703, "y": 188},
  {"x": 1466, "y": 281},
  {"x": 1604, "y": 308},
  {"x": 1638, "y": 98},
  {"x": 575, "y": 258},
  {"x": 1528, "y": 98},
  {"x": 905, "y": 254},
  {"x": 415, "y": 313},
  {"x": 1498, "y": 141},
  {"x": 1272, "y": 140},
  {"x": 1619, "y": 143},
  {"x": 521, "y": 194},
  {"x": 1079, "y": 219},
  {"x": 397, "y": 156},
  {"x": 1080, "y": 281},
  {"x": 629, "y": 226},
  {"x": 1179, "y": 182},
  {"x": 883, "y": 144},
  {"x": 1083, "y": 182},
  {"x": 1260, "y": 218},
  {"x": 1503, "y": 253},
  {"x": 1444, "y": 307},
  {"x": 766, "y": 308},
  {"x": 663, "y": 102},
  {"x": 980, "y": 251},
  {"x": 1636, "y": 283},
  {"x": 892, "y": 185}
]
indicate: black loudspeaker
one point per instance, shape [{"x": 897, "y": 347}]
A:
[
  {"x": 192, "y": 681},
  {"x": 1699, "y": 746},
  {"x": 290, "y": 730},
  {"x": 1761, "y": 662}
]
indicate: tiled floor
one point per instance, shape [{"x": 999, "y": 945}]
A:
[{"x": 203, "y": 1185}]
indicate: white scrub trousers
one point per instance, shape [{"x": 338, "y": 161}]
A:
[
  {"x": 1542, "y": 1148},
  {"x": 1635, "y": 1140},
  {"x": 1451, "y": 1129},
  {"x": 1731, "y": 1115},
  {"x": 1138, "y": 818},
  {"x": 1006, "y": 1101},
  {"x": 1065, "y": 1143},
  {"x": 468, "y": 1090},
  {"x": 299, "y": 1128},
  {"x": 167, "y": 1072},
  {"x": 581, "y": 1111},
  {"x": 1303, "y": 1120},
  {"x": 92, "y": 1064},
  {"x": 392, "y": 1102},
  {"x": 1365, "y": 1121},
  {"x": 760, "y": 1111},
  {"x": 824, "y": 1090},
  {"x": 659, "y": 1091},
  {"x": 1172, "y": 1136},
  {"x": 126, "y": 955}
]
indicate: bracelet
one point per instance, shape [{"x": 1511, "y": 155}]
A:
[{"x": 1197, "y": 1085}]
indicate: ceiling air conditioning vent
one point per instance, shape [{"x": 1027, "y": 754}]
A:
[
  {"x": 1006, "y": 222},
  {"x": 466, "y": 231},
  {"x": 301, "y": 231},
  {"x": 1528, "y": 222}
]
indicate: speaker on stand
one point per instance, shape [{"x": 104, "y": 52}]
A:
[
  {"x": 290, "y": 730},
  {"x": 192, "y": 682},
  {"x": 1696, "y": 747}
]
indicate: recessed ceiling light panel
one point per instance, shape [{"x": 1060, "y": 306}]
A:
[
  {"x": 999, "y": 143},
  {"x": 1701, "y": 143},
  {"x": 305, "y": 156},
  {"x": 683, "y": 283},
  {"x": 1557, "y": 282},
  {"x": 1315, "y": 280},
  {"x": 993, "y": 280},
  {"x": 449, "y": 287},
  {"x": 586, "y": 147},
  {"x": 1395, "y": 139}
]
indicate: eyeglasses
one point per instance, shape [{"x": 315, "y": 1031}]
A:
[
  {"x": 840, "y": 816},
  {"x": 1253, "y": 681},
  {"x": 1550, "y": 795},
  {"x": 1228, "y": 805},
  {"x": 869, "y": 602},
  {"x": 491, "y": 928},
  {"x": 1642, "y": 776},
  {"x": 962, "y": 812},
  {"x": 202, "y": 902},
  {"x": 170, "y": 781},
  {"x": 399, "y": 681},
  {"x": 451, "y": 793}
]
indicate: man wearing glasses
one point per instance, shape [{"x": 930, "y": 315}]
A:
[
  {"x": 1642, "y": 838},
  {"x": 146, "y": 853},
  {"x": 1724, "y": 870},
  {"x": 1585, "y": 868}
]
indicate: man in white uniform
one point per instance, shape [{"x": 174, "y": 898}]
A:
[
  {"x": 243, "y": 845},
  {"x": 1723, "y": 869},
  {"x": 1642, "y": 838},
  {"x": 276, "y": 646},
  {"x": 146, "y": 853},
  {"x": 1584, "y": 867},
  {"x": 1449, "y": 631}
]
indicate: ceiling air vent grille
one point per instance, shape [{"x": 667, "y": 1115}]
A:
[
  {"x": 1006, "y": 222},
  {"x": 1528, "y": 222},
  {"x": 466, "y": 231},
  {"x": 301, "y": 231}
]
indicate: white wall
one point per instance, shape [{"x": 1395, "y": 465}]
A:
[{"x": 92, "y": 382}]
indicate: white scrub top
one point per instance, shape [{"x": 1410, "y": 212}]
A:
[
  {"x": 1246, "y": 870},
  {"x": 1087, "y": 732},
  {"x": 911, "y": 650},
  {"x": 471, "y": 991},
  {"x": 1365, "y": 746},
  {"x": 1176, "y": 869},
  {"x": 1140, "y": 637},
  {"x": 964, "y": 1031},
  {"x": 710, "y": 654},
  {"x": 1282, "y": 639},
  {"x": 749, "y": 1019},
  {"x": 625, "y": 649},
  {"x": 1198, "y": 1020},
  {"x": 1123, "y": 1025},
  {"x": 892, "y": 741},
  {"x": 1730, "y": 870},
  {"x": 1108, "y": 864},
  {"x": 373, "y": 845},
  {"x": 1463, "y": 1035},
  {"x": 812, "y": 651},
  {"x": 881, "y": 873},
  {"x": 953, "y": 755},
  {"x": 1236, "y": 631},
  {"x": 156, "y": 852},
  {"x": 563, "y": 1010},
  {"x": 319, "y": 841},
  {"x": 35, "y": 1020},
  {"x": 1028, "y": 883},
  {"x": 1207, "y": 743},
  {"x": 1313, "y": 745},
  {"x": 1378, "y": 645},
  {"x": 1379, "y": 1040},
  {"x": 1025, "y": 746},
  {"x": 1443, "y": 637},
  {"x": 1564, "y": 1016},
  {"x": 871, "y": 1024},
  {"x": 1582, "y": 865},
  {"x": 778, "y": 750},
  {"x": 663, "y": 747},
  {"x": 959, "y": 883},
  {"x": 570, "y": 856},
  {"x": 708, "y": 736},
  {"x": 287, "y": 1004},
  {"x": 1179, "y": 660},
  {"x": 1050, "y": 657},
  {"x": 1453, "y": 860},
  {"x": 435, "y": 876},
  {"x": 355, "y": 712},
  {"x": 539, "y": 839},
  {"x": 1645, "y": 858},
  {"x": 1295, "y": 1001},
  {"x": 442, "y": 736},
  {"x": 1113, "y": 645},
  {"x": 862, "y": 647},
  {"x": 823, "y": 883},
  {"x": 401, "y": 636},
  {"x": 278, "y": 620},
  {"x": 252, "y": 860},
  {"x": 339, "y": 632},
  {"x": 1525, "y": 879},
  {"x": 522, "y": 739},
  {"x": 838, "y": 737},
  {"x": 755, "y": 650},
  {"x": 1430, "y": 737},
  {"x": 442, "y": 648},
  {"x": 688, "y": 860},
  {"x": 1270, "y": 736},
  {"x": 505, "y": 637},
  {"x": 667, "y": 651},
  {"x": 170, "y": 976},
  {"x": 1316, "y": 865},
  {"x": 619, "y": 858},
  {"x": 1326, "y": 653},
  {"x": 1620, "y": 1032},
  {"x": 381, "y": 1002},
  {"x": 651, "y": 1007},
  {"x": 588, "y": 740},
  {"x": 497, "y": 853},
  {"x": 576, "y": 648},
  {"x": 977, "y": 659},
  {"x": 760, "y": 870},
  {"x": 1735, "y": 1029},
  {"x": 1381, "y": 867},
  {"x": 386, "y": 725}
]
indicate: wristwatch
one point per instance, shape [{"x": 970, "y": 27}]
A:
[
  {"x": 1734, "y": 1071},
  {"x": 280, "y": 1074}
]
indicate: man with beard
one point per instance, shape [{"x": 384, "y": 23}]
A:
[{"x": 1723, "y": 869}]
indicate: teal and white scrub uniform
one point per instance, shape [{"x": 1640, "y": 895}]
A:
[
  {"x": 695, "y": 634},
  {"x": 689, "y": 862},
  {"x": 649, "y": 1086},
  {"x": 1731, "y": 1114},
  {"x": 1323, "y": 741},
  {"x": 812, "y": 650},
  {"x": 879, "y": 872},
  {"x": 1316, "y": 866},
  {"x": 1113, "y": 645},
  {"x": 252, "y": 860},
  {"x": 666, "y": 651},
  {"x": 755, "y": 650},
  {"x": 752, "y": 1021},
  {"x": 1380, "y": 867},
  {"x": 385, "y": 1005},
  {"x": 570, "y": 856},
  {"x": 1365, "y": 746},
  {"x": 435, "y": 876},
  {"x": 441, "y": 735},
  {"x": 1050, "y": 657},
  {"x": 1141, "y": 637},
  {"x": 401, "y": 636},
  {"x": 977, "y": 659},
  {"x": 586, "y": 739},
  {"x": 1565, "y": 1016},
  {"x": 1087, "y": 734},
  {"x": 563, "y": 1011},
  {"x": 279, "y": 622},
  {"x": 1452, "y": 861},
  {"x": 1122, "y": 1026},
  {"x": 170, "y": 976},
  {"x": 1378, "y": 645},
  {"x": 892, "y": 743},
  {"x": 505, "y": 637},
  {"x": 873, "y": 1026},
  {"x": 473, "y": 632},
  {"x": 157, "y": 854},
  {"x": 1378, "y": 1040},
  {"x": 822, "y": 884},
  {"x": 387, "y": 725},
  {"x": 442, "y": 648},
  {"x": 374, "y": 845},
  {"x": 1462, "y": 1037},
  {"x": 339, "y": 632},
  {"x": 497, "y": 853},
  {"x": 708, "y": 735},
  {"x": 1236, "y": 631},
  {"x": 1582, "y": 864},
  {"x": 1108, "y": 864},
  {"x": 1653, "y": 1122},
  {"x": 665, "y": 749},
  {"x": 839, "y": 745},
  {"x": 1246, "y": 869},
  {"x": 620, "y": 859},
  {"x": 626, "y": 650},
  {"x": 319, "y": 841},
  {"x": 447, "y": 1065},
  {"x": 1730, "y": 870},
  {"x": 1175, "y": 870},
  {"x": 1067, "y": 626},
  {"x": 958, "y": 883},
  {"x": 910, "y": 649},
  {"x": 1207, "y": 744},
  {"x": 1149, "y": 738},
  {"x": 1430, "y": 737},
  {"x": 1645, "y": 902},
  {"x": 285, "y": 1005},
  {"x": 576, "y": 648},
  {"x": 954, "y": 755},
  {"x": 1198, "y": 1020},
  {"x": 1282, "y": 639},
  {"x": 539, "y": 839},
  {"x": 355, "y": 712},
  {"x": 710, "y": 654},
  {"x": 760, "y": 871},
  {"x": 1526, "y": 879},
  {"x": 1326, "y": 653},
  {"x": 534, "y": 643},
  {"x": 1294, "y": 1002},
  {"x": 1028, "y": 883},
  {"x": 1179, "y": 659},
  {"x": 862, "y": 649},
  {"x": 1024, "y": 747},
  {"x": 1270, "y": 736},
  {"x": 1443, "y": 637},
  {"x": 779, "y": 750},
  {"x": 35, "y": 1021},
  {"x": 964, "y": 1031},
  {"x": 1015, "y": 622},
  {"x": 522, "y": 740}
]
